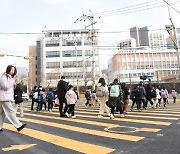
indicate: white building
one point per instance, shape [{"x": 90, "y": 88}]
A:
[
  {"x": 68, "y": 53},
  {"x": 125, "y": 44}
]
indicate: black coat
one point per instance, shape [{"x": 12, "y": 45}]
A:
[
  {"x": 18, "y": 94},
  {"x": 62, "y": 88}
]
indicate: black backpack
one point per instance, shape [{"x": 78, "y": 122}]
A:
[
  {"x": 87, "y": 95},
  {"x": 153, "y": 93},
  {"x": 140, "y": 92}
]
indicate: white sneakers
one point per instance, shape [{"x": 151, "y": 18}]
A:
[
  {"x": 73, "y": 117},
  {"x": 100, "y": 116},
  {"x": 67, "y": 114},
  {"x": 111, "y": 116}
]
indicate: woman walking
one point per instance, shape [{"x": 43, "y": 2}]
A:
[
  {"x": 102, "y": 93},
  {"x": 7, "y": 96}
]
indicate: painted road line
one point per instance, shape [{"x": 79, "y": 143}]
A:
[
  {"x": 61, "y": 141},
  {"x": 130, "y": 120},
  {"x": 85, "y": 130},
  {"x": 18, "y": 147},
  {"x": 90, "y": 122}
]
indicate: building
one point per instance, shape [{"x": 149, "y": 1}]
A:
[
  {"x": 129, "y": 65},
  {"x": 145, "y": 38},
  {"x": 68, "y": 53}
]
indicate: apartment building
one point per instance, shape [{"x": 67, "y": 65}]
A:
[
  {"x": 68, "y": 53},
  {"x": 129, "y": 65}
]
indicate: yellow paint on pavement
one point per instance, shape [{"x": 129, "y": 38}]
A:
[
  {"x": 18, "y": 147},
  {"x": 89, "y": 122},
  {"x": 85, "y": 130},
  {"x": 61, "y": 141}
]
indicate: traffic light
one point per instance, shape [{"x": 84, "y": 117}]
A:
[{"x": 144, "y": 77}]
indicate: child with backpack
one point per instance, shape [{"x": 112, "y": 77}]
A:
[
  {"x": 88, "y": 97},
  {"x": 50, "y": 99},
  {"x": 71, "y": 98},
  {"x": 174, "y": 95}
]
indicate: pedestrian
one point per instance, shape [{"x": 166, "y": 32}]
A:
[
  {"x": 164, "y": 95},
  {"x": 88, "y": 97},
  {"x": 18, "y": 99},
  {"x": 39, "y": 99},
  {"x": 116, "y": 96},
  {"x": 62, "y": 88},
  {"x": 33, "y": 95},
  {"x": 141, "y": 93},
  {"x": 125, "y": 97},
  {"x": 174, "y": 95},
  {"x": 94, "y": 98},
  {"x": 50, "y": 99},
  {"x": 44, "y": 99},
  {"x": 102, "y": 94},
  {"x": 7, "y": 97},
  {"x": 71, "y": 98},
  {"x": 149, "y": 95},
  {"x": 133, "y": 97}
]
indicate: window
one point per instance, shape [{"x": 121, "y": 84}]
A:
[
  {"x": 88, "y": 53},
  {"x": 52, "y": 64},
  {"x": 71, "y": 53},
  {"x": 69, "y": 64},
  {"x": 50, "y": 54},
  {"x": 52, "y": 43}
]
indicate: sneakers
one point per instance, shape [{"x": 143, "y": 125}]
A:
[
  {"x": 1, "y": 130},
  {"x": 67, "y": 114},
  {"x": 73, "y": 117},
  {"x": 20, "y": 128},
  {"x": 122, "y": 115},
  {"x": 111, "y": 116},
  {"x": 100, "y": 116}
]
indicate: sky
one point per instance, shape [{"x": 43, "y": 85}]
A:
[{"x": 35, "y": 16}]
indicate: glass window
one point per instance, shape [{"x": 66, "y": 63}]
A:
[
  {"x": 52, "y": 64},
  {"x": 71, "y": 53},
  {"x": 69, "y": 64},
  {"x": 50, "y": 54},
  {"x": 88, "y": 53},
  {"x": 52, "y": 43}
]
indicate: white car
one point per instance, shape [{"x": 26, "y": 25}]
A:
[{"x": 25, "y": 97}]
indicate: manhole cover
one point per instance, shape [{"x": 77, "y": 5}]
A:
[{"x": 121, "y": 129}]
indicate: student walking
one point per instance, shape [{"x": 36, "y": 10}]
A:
[
  {"x": 34, "y": 95},
  {"x": 174, "y": 95},
  {"x": 164, "y": 96},
  {"x": 50, "y": 99},
  {"x": 125, "y": 97},
  {"x": 102, "y": 93},
  {"x": 18, "y": 99},
  {"x": 7, "y": 96},
  {"x": 62, "y": 88},
  {"x": 71, "y": 98}
]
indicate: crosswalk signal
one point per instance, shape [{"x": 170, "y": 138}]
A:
[{"x": 144, "y": 77}]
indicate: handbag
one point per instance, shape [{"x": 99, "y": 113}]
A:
[{"x": 111, "y": 104}]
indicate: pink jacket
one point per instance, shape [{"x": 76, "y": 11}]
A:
[
  {"x": 6, "y": 88},
  {"x": 71, "y": 97}
]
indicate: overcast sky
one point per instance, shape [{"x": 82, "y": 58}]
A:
[{"x": 27, "y": 16}]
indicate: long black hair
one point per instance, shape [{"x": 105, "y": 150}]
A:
[
  {"x": 102, "y": 81},
  {"x": 8, "y": 69}
]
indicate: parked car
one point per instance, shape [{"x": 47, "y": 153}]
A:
[{"x": 25, "y": 97}]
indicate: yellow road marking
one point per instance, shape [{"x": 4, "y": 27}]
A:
[
  {"x": 85, "y": 130},
  {"x": 128, "y": 120},
  {"x": 18, "y": 147},
  {"x": 61, "y": 141},
  {"x": 90, "y": 122}
]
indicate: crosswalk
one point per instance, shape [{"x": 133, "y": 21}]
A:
[{"x": 89, "y": 134}]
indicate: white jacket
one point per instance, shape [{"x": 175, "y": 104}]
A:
[{"x": 71, "y": 97}]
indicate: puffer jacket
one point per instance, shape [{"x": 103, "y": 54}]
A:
[
  {"x": 71, "y": 97},
  {"x": 6, "y": 88}
]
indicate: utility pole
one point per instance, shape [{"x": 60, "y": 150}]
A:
[
  {"x": 92, "y": 37},
  {"x": 171, "y": 29}
]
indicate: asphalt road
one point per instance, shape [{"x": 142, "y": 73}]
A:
[{"x": 146, "y": 132}]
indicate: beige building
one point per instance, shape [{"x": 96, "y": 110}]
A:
[{"x": 129, "y": 65}]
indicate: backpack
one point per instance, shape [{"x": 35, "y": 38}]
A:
[
  {"x": 35, "y": 95},
  {"x": 132, "y": 95},
  {"x": 174, "y": 93},
  {"x": 49, "y": 97},
  {"x": 114, "y": 91},
  {"x": 87, "y": 95},
  {"x": 31, "y": 95},
  {"x": 140, "y": 92},
  {"x": 40, "y": 97},
  {"x": 153, "y": 93},
  {"x": 163, "y": 94},
  {"x": 99, "y": 91}
]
